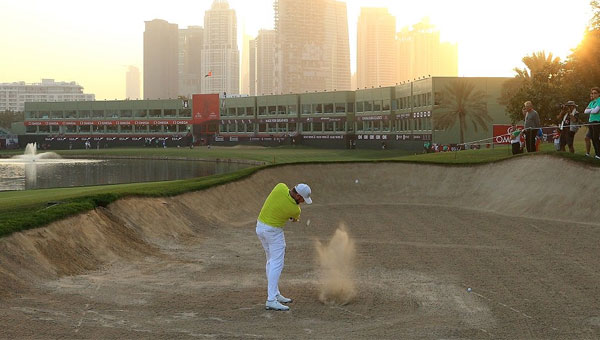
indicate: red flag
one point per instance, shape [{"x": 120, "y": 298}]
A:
[{"x": 209, "y": 74}]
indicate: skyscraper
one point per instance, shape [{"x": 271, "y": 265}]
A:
[
  {"x": 132, "y": 83},
  {"x": 376, "y": 48},
  {"x": 313, "y": 51},
  {"x": 244, "y": 71},
  {"x": 191, "y": 41},
  {"x": 252, "y": 67},
  {"x": 265, "y": 61},
  {"x": 161, "y": 76},
  {"x": 220, "y": 55},
  {"x": 420, "y": 53}
]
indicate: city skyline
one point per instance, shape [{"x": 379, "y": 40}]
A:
[{"x": 68, "y": 42}]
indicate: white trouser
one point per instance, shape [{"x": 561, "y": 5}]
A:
[{"x": 273, "y": 241}]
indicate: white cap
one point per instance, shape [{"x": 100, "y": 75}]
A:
[{"x": 304, "y": 191}]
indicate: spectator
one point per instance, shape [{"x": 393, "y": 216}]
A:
[
  {"x": 568, "y": 125},
  {"x": 532, "y": 125},
  {"x": 593, "y": 109},
  {"x": 556, "y": 139},
  {"x": 515, "y": 140}
]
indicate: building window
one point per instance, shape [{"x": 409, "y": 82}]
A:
[
  {"x": 272, "y": 110},
  {"x": 340, "y": 107},
  {"x": 155, "y": 128},
  {"x": 328, "y": 108},
  {"x": 170, "y": 112},
  {"x": 182, "y": 128},
  {"x": 170, "y": 128},
  {"x": 250, "y": 111},
  {"x": 262, "y": 110},
  {"x": 85, "y": 114},
  {"x": 56, "y": 114},
  {"x": 306, "y": 126},
  {"x": 31, "y": 129},
  {"x": 328, "y": 126},
  {"x": 85, "y": 129},
  {"x": 317, "y": 108},
  {"x": 292, "y": 127},
  {"x": 185, "y": 113},
  {"x": 141, "y": 113},
  {"x": 126, "y": 128},
  {"x": 291, "y": 109},
  {"x": 306, "y": 109},
  {"x": 126, "y": 113},
  {"x": 155, "y": 113},
  {"x": 386, "y": 105},
  {"x": 241, "y": 111},
  {"x": 112, "y": 129},
  {"x": 317, "y": 126},
  {"x": 368, "y": 106},
  {"x": 141, "y": 128},
  {"x": 281, "y": 109},
  {"x": 111, "y": 114},
  {"x": 71, "y": 114}
]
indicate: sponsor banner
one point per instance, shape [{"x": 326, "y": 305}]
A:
[
  {"x": 415, "y": 137},
  {"x": 233, "y": 139},
  {"x": 502, "y": 133},
  {"x": 372, "y": 137},
  {"x": 370, "y": 118},
  {"x": 322, "y": 119},
  {"x": 420, "y": 114},
  {"x": 422, "y": 137},
  {"x": 219, "y": 138},
  {"x": 277, "y": 120},
  {"x": 108, "y": 122},
  {"x": 205, "y": 107},
  {"x": 323, "y": 136}
]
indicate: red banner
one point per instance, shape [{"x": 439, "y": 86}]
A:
[
  {"x": 107, "y": 122},
  {"x": 205, "y": 107},
  {"x": 502, "y": 133}
]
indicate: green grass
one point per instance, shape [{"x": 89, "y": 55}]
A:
[{"x": 21, "y": 210}]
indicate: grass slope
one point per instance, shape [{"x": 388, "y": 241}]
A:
[{"x": 21, "y": 210}]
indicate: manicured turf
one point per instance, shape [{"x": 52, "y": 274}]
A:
[{"x": 20, "y": 210}]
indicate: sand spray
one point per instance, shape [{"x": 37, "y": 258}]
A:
[{"x": 336, "y": 261}]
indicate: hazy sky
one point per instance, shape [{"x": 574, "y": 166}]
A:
[{"x": 92, "y": 42}]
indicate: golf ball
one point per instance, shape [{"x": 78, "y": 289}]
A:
[
  {"x": 355, "y": 181},
  {"x": 308, "y": 222},
  {"x": 469, "y": 289}
]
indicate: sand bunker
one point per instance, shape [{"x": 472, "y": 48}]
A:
[{"x": 523, "y": 234}]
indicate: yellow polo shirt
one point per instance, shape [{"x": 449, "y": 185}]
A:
[{"x": 279, "y": 207}]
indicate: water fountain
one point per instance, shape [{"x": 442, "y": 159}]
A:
[{"x": 31, "y": 155}]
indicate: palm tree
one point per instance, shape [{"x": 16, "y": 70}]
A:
[
  {"x": 538, "y": 64},
  {"x": 461, "y": 102}
]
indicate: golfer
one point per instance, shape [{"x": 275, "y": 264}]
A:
[{"x": 282, "y": 205}]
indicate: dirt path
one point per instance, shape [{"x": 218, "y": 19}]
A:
[{"x": 192, "y": 267}]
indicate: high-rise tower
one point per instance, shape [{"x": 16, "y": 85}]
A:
[
  {"x": 161, "y": 76},
  {"x": 220, "y": 55},
  {"x": 376, "y": 48},
  {"x": 313, "y": 51}
]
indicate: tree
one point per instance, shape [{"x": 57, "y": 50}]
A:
[
  {"x": 540, "y": 82},
  {"x": 461, "y": 103},
  {"x": 9, "y": 117}
]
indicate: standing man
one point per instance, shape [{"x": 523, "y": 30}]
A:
[
  {"x": 593, "y": 109},
  {"x": 282, "y": 205},
  {"x": 532, "y": 125}
]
